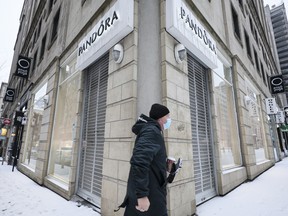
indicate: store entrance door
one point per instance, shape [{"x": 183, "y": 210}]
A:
[
  {"x": 201, "y": 131},
  {"x": 92, "y": 141}
]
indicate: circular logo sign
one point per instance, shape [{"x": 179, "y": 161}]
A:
[
  {"x": 10, "y": 93},
  {"x": 276, "y": 81},
  {"x": 23, "y": 63}
]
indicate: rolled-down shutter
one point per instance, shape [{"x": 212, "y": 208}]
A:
[
  {"x": 91, "y": 158},
  {"x": 201, "y": 131}
]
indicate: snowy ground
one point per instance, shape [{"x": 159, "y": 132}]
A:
[
  {"x": 265, "y": 196},
  {"x": 19, "y": 195}
]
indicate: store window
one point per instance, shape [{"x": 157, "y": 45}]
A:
[
  {"x": 225, "y": 116},
  {"x": 252, "y": 100},
  {"x": 35, "y": 117},
  {"x": 65, "y": 123}
]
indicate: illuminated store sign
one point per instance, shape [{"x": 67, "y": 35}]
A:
[
  {"x": 185, "y": 27},
  {"x": 112, "y": 27}
]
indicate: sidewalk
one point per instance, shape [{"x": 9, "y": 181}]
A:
[
  {"x": 267, "y": 195},
  {"x": 19, "y": 195}
]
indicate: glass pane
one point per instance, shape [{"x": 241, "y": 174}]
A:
[
  {"x": 223, "y": 71},
  {"x": 258, "y": 139},
  {"x": 227, "y": 131},
  {"x": 68, "y": 70},
  {"x": 34, "y": 127},
  {"x": 256, "y": 127},
  {"x": 64, "y": 129},
  {"x": 228, "y": 74}
]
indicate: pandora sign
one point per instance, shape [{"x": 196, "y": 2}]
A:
[
  {"x": 114, "y": 25},
  {"x": 185, "y": 27}
]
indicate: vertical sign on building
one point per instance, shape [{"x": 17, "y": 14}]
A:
[
  {"x": 9, "y": 96},
  {"x": 280, "y": 118},
  {"x": 23, "y": 67},
  {"x": 277, "y": 84},
  {"x": 271, "y": 107}
]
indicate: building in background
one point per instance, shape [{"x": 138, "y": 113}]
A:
[
  {"x": 85, "y": 70},
  {"x": 280, "y": 28}
]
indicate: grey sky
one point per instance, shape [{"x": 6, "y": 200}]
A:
[{"x": 9, "y": 23}]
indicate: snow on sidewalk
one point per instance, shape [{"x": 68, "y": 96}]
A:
[
  {"x": 19, "y": 195},
  {"x": 265, "y": 196}
]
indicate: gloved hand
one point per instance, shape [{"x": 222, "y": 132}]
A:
[{"x": 175, "y": 169}]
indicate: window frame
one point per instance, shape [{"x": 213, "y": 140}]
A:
[
  {"x": 236, "y": 24},
  {"x": 55, "y": 27},
  {"x": 235, "y": 147}
]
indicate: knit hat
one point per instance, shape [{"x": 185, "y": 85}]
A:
[{"x": 158, "y": 111}]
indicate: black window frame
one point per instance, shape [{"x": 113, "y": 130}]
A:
[
  {"x": 83, "y": 2},
  {"x": 50, "y": 5},
  {"x": 262, "y": 71},
  {"x": 248, "y": 45},
  {"x": 43, "y": 47},
  {"x": 256, "y": 61},
  {"x": 55, "y": 27},
  {"x": 39, "y": 28},
  {"x": 34, "y": 62},
  {"x": 236, "y": 25}
]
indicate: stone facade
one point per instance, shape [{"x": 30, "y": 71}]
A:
[{"x": 148, "y": 73}]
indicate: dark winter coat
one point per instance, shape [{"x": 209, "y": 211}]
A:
[{"x": 147, "y": 175}]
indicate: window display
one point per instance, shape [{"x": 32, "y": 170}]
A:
[
  {"x": 38, "y": 104},
  {"x": 225, "y": 116},
  {"x": 65, "y": 123},
  {"x": 256, "y": 122}
]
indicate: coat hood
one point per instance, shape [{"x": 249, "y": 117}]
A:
[{"x": 142, "y": 121}]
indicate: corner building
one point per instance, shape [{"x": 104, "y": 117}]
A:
[{"x": 81, "y": 100}]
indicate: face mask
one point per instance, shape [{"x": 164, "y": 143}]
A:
[{"x": 167, "y": 124}]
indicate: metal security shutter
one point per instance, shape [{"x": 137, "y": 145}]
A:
[
  {"x": 201, "y": 131},
  {"x": 91, "y": 159}
]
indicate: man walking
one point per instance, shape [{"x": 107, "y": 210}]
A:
[{"x": 146, "y": 189}]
